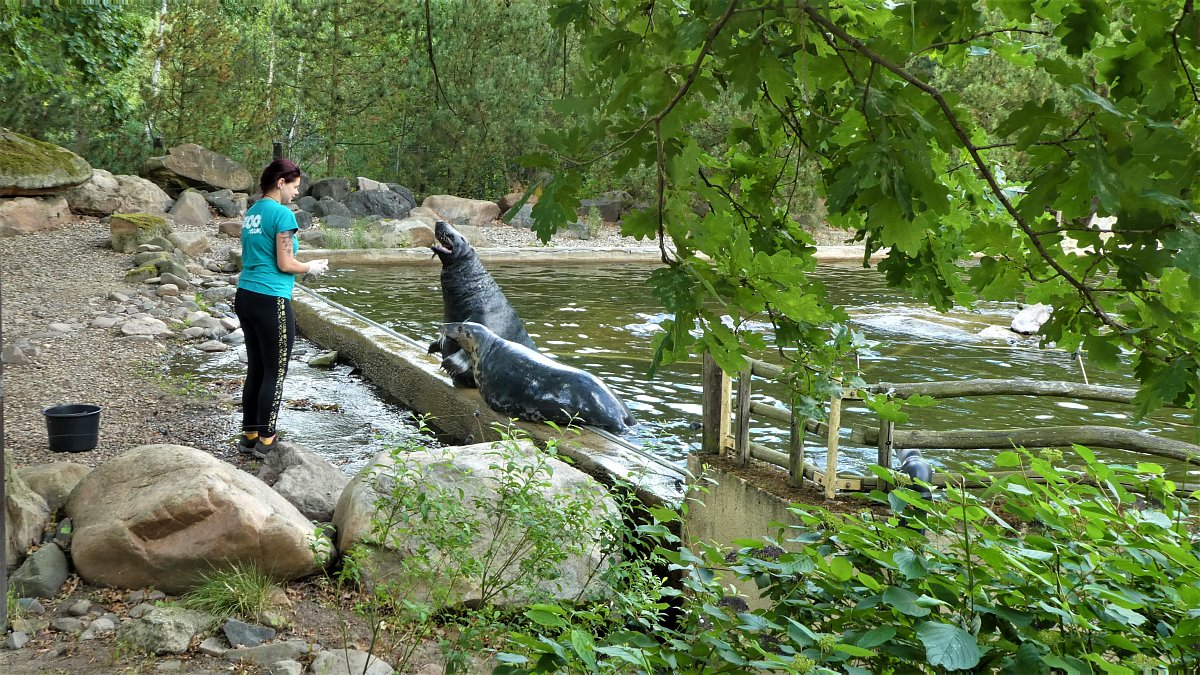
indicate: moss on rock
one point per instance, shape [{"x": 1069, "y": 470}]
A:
[
  {"x": 130, "y": 230},
  {"x": 31, "y": 167},
  {"x": 139, "y": 274}
]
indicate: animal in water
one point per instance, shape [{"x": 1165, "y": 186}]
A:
[
  {"x": 522, "y": 382},
  {"x": 469, "y": 293}
]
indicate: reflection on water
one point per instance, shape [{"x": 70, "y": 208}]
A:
[{"x": 603, "y": 318}]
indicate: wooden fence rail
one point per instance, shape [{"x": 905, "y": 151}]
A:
[{"x": 727, "y": 427}]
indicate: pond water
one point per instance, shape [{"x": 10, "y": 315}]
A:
[{"x": 603, "y": 318}]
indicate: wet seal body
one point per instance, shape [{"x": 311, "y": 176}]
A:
[
  {"x": 469, "y": 293},
  {"x": 516, "y": 380}
]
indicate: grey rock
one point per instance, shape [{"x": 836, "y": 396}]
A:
[
  {"x": 286, "y": 667},
  {"x": 307, "y": 203},
  {"x": 334, "y": 188},
  {"x": 305, "y": 479},
  {"x": 168, "y": 290},
  {"x": 66, "y": 624},
  {"x": 330, "y": 207},
  {"x": 213, "y": 346},
  {"x": 378, "y": 203},
  {"x": 242, "y": 634},
  {"x": 323, "y": 360},
  {"x": 212, "y": 646},
  {"x": 193, "y": 332},
  {"x": 14, "y": 356},
  {"x": 190, "y": 165},
  {"x": 146, "y": 326},
  {"x": 60, "y": 327},
  {"x": 17, "y": 639},
  {"x": 180, "y": 282},
  {"x": 98, "y": 628},
  {"x": 80, "y": 608},
  {"x": 169, "y": 667},
  {"x": 105, "y": 321},
  {"x": 167, "y": 630},
  {"x": 42, "y": 573},
  {"x": 349, "y": 662},
  {"x": 30, "y": 606},
  {"x": 142, "y": 608},
  {"x": 270, "y": 653}
]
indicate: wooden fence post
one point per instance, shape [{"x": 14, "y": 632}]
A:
[
  {"x": 742, "y": 417},
  {"x": 796, "y": 448},
  {"x": 886, "y": 427},
  {"x": 831, "y": 445},
  {"x": 714, "y": 406}
]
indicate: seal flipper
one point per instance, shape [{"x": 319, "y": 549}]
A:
[{"x": 458, "y": 367}]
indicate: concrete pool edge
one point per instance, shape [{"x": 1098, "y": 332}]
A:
[{"x": 410, "y": 376}]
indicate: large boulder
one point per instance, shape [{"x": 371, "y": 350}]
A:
[
  {"x": 130, "y": 230},
  {"x": 460, "y": 211},
  {"x": 472, "y": 477},
  {"x": 192, "y": 166},
  {"x": 610, "y": 205},
  {"x": 106, "y": 194},
  {"x": 378, "y": 203},
  {"x": 54, "y": 481},
  {"x": 406, "y": 233},
  {"x": 336, "y": 189},
  {"x": 26, "y": 215},
  {"x": 162, "y": 515},
  {"x": 25, "y": 515},
  {"x": 191, "y": 209},
  {"x": 33, "y": 167}
]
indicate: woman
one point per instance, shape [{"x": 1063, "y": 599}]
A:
[{"x": 264, "y": 301}]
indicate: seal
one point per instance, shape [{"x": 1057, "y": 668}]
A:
[
  {"x": 469, "y": 293},
  {"x": 516, "y": 380}
]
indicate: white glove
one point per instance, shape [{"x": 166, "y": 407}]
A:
[{"x": 318, "y": 267}]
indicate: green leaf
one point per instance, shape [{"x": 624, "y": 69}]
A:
[
  {"x": 948, "y": 646},
  {"x": 876, "y": 637},
  {"x": 584, "y": 647},
  {"x": 1007, "y": 459},
  {"x": 904, "y": 601},
  {"x": 545, "y": 618},
  {"x": 911, "y": 564}
]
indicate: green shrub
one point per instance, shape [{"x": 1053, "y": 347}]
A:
[{"x": 1049, "y": 569}]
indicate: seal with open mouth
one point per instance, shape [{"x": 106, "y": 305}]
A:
[
  {"x": 469, "y": 293},
  {"x": 516, "y": 380}
]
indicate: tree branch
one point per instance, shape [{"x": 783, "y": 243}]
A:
[
  {"x": 1187, "y": 9},
  {"x": 976, "y": 36},
  {"x": 980, "y": 165}
]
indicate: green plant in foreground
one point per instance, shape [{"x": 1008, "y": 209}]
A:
[
  {"x": 436, "y": 539},
  {"x": 241, "y": 590},
  {"x": 1049, "y": 569}
]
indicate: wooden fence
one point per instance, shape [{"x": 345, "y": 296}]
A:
[{"x": 728, "y": 418}]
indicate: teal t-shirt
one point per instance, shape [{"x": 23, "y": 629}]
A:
[{"x": 260, "y": 273}]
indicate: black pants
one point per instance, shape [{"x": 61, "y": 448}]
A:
[{"x": 270, "y": 329}]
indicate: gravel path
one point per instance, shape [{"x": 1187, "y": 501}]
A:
[{"x": 65, "y": 276}]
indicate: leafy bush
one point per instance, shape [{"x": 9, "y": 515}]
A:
[
  {"x": 512, "y": 544},
  {"x": 1049, "y": 568}
]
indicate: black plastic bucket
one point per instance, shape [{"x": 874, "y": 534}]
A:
[{"x": 74, "y": 427}]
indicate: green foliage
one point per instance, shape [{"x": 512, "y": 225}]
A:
[
  {"x": 361, "y": 235},
  {"x": 240, "y": 590},
  {"x": 1049, "y": 569},
  {"x": 898, "y": 103},
  {"x": 68, "y": 75},
  {"x": 430, "y": 540}
]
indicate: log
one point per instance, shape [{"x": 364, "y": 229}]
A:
[
  {"x": 1014, "y": 387},
  {"x": 1042, "y": 437}
]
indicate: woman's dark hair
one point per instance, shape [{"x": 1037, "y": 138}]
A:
[{"x": 279, "y": 168}]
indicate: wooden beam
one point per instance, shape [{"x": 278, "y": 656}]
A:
[
  {"x": 1013, "y": 387},
  {"x": 1041, "y": 437}
]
